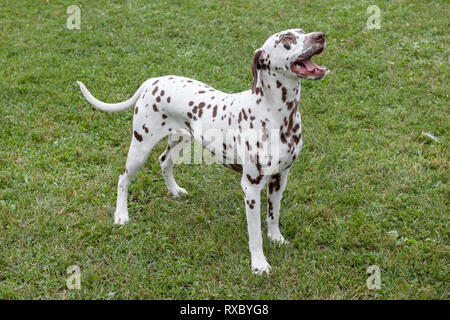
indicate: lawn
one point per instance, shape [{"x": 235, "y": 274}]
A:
[{"x": 368, "y": 188}]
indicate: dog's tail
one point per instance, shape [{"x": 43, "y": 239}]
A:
[{"x": 109, "y": 107}]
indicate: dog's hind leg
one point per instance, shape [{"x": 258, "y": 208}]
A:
[
  {"x": 166, "y": 161},
  {"x": 141, "y": 145}
]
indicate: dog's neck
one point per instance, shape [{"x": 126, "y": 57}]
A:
[{"x": 281, "y": 94}]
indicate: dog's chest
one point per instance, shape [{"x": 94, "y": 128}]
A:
[
  {"x": 289, "y": 153},
  {"x": 278, "y": 140},
  {"x": 290, "y": 143}
]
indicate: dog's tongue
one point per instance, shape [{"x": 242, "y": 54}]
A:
[{"x": 310, "y": 65}]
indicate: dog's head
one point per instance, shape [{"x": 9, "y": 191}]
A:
[{"x": 289, "y": 53}]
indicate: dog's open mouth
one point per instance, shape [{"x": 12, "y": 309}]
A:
[{"x": 307, "y": 67}]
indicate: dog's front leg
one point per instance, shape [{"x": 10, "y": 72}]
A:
[
  {"x": 275, "y": 187},
  {"x": 252, "y": 193}
]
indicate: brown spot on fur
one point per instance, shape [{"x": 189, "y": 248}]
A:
[
  {"x": 256, "y": 65},
  {"x": 245, "y": 115},
  {"x": 290, "y": 104},
  {"x": 270, "y": 209},
  {"x": 257, "y": 180},
  {"x": 154, "y": 90},
  {"x": 188, "y": 125},
  {"x": 297, "y": 138},
  {"x": 291, "y": 122},
  {"x": 137, "y": 136},
  {"x": 274, "y": 184},
  {"x": 283, "y": 94},
  {"x": 283, "y": 138}
]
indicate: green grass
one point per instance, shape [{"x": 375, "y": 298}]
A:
[{"x": 365, "y": 169}]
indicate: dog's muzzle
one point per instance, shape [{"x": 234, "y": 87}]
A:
[{"x": 306, "y": 68}]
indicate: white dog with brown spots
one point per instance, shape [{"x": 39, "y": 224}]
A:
[{"x": 243, "y": 129}]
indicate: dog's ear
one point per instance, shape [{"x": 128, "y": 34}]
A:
[{"x": 256, "y": 66}]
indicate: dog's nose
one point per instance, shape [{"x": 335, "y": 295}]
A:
[{"x": 318, "y": 37}]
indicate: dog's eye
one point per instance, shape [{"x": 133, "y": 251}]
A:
[{"x": 287, "y": 39}]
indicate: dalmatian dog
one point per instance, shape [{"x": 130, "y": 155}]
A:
[{"x": 242, "y": 128}]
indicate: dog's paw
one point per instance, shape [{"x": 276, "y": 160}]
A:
[
  {"x": 261, "y": 266},
  {"x": 278, "y": 239},
  {"x": 177, "y": 191},
  {"x": 121, "y": 219}
]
